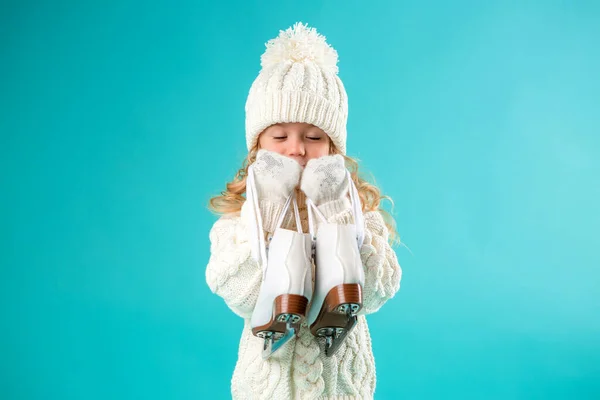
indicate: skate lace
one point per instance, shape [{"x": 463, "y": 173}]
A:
[
  {"x": 257, "y": 236},
  {"x": 290, "y": 199}
]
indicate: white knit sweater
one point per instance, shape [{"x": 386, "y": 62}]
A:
[{"x": 300, "y": 369}]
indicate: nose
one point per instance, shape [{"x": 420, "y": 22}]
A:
[{"x": 296, "y": 147}]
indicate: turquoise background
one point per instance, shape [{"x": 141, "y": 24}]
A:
[{"x": 119, "y": 120}]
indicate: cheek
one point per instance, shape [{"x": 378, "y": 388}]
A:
[
  {"x": 318, "y": 150},
  {"x": 266, "y": 143},
  {"x": 272, "y": 146}
]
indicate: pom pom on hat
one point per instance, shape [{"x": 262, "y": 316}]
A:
[{"x": 300, "y": 43}]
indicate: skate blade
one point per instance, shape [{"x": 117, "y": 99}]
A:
[
  {"x": 335, "y": 340},
  {"x": 272, "y": 344}
]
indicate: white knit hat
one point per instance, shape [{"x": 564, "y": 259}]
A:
[{"x": 298, "y": 83}]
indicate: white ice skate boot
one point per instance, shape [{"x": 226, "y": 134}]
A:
[
  {"x": 339, "y": 275},
  {"x": 287, "y": 278}
]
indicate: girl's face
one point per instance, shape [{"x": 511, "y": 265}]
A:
[{"x": 296, "y": 140}]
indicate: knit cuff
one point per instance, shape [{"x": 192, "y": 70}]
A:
[
  {"x": 334, "y": 208},
  {"x": 269, "y": 211},
  {"x": 267, "y": 108}
]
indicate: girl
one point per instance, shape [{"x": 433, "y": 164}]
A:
[{"x": 302, "y": 280}]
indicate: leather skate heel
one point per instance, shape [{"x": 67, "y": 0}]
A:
[
  {"x": 288, "y": 307},
  {"x": 290, "y": 310},
  {"x": 338, "y": 314}
]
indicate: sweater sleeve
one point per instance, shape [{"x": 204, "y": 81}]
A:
[
  {"x": 231, "y": 272},
  {"x": 382, "y": 271}
]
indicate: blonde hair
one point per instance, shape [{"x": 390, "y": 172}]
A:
[{"x": 232, "y": 199}]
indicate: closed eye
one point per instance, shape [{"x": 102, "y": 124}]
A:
[
  {"x": 314, "y": 138},
  {"x": 279, "y": 137}
]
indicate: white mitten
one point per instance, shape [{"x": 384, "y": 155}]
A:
[
  {"x": 325, "y": 183},
  {"x": 276, "y": 177}
]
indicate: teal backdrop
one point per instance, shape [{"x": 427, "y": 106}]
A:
[{"x": 120, "y": 119}]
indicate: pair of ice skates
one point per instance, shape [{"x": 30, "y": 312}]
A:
[{"x": 287, "y": 260}]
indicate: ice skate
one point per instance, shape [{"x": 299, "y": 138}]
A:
[
  {"x": 287, "y": 279},
  {"x": 339, "y": 276}
]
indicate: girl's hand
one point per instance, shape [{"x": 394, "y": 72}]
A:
[
  {"x": 324, "y": 179},
  {"x": 276, "y": 176}
]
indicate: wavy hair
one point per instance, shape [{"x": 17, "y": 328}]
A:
[{"x": 231, "y": 199}]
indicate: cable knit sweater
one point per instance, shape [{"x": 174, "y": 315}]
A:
[{"x": 300, "y": 369}]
